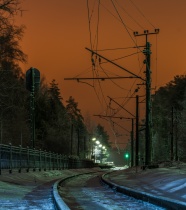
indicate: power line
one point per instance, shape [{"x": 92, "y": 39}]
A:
[
  {"x": 114, "y": 16},
  {"x": 89, "y": 18},
  {"x": 130, "y": 16},
  {"x": 98, "y": 24},
  {"x": 123, "y": 57},
  {"x": 114, "y": 63},
  {"x": 97, "y": 78},
  {"x": 123, "y": 22},
  {"x": 121, "y": 106},
  {"x": 112, "y": 79},
  {"x": 119, "y": 48},
  {"x": 141, "y": 13}
]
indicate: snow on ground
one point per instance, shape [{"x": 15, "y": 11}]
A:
[
  {"x": 106, "y": 200},
  {"x": 164, "y": 181},
  {"x": 119, "y": 168},
  {"x": 86, "y": 192},
  {"x": 16, "y": 185}
]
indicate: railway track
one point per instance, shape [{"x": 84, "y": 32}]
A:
[
  {"x": 32, "y": 190},
  {"x": 67, "y": 189},
  {"x": 87, "y": 191}
]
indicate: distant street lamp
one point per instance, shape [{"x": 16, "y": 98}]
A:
[
  {"x": 97, "y": 142},
  {"x": 97, "y": 149}
]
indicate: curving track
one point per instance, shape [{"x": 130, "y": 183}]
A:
[
  {"x": 87, "y": 191},
  {"x": 79, "y": 189},
  {"x": 31, "y": 190}
]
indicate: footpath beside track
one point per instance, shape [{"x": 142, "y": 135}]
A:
[
  {"x": 164, "y": 186},
  {"x": 31, "y": 190}
]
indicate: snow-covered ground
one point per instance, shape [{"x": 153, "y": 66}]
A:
[
  {"x": 87, "y": 192},
  {"x": 116, "y": 168},
  {"x": 164, "y": 181},
  {"x": 32, "y": 190}
]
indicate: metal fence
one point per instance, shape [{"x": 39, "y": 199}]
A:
[{"x": 12, "y": 157}]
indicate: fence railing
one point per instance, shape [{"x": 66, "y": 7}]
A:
[{"x": 12, "y": 157}]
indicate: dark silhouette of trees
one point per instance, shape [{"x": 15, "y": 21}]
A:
[
  {"x": 80, "y": 133},
  {"x": 168, "y": 119},
  {"x": 12, "y": 108},
  {"x": 53, "y": 120}
]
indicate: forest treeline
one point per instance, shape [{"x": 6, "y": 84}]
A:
[
  {"x": 168, "y": 122},
  {"x": 59, "y": 124}
]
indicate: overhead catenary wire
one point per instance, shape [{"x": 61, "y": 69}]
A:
[
  {"x": 118, "y": 19},
  {"x": 95, "y": 68},
  {"x": 112, "y": 79},
  {"x": 90, "y": 35},
  {"x": 126, "y": 56},
  {"x": 95, "y": 73},
  {"x": 118, "y": 48},
  {"x": 112, "y": 123},
  {"x": 124, "y": 102},
  {"x": 98, "y": 24},
  {"x": 89, "y": 23},
  {"x": 129, "y": 95},
  {"x": 130, "y": 16},
  {"x": 97, "y": 32},
  {"x": 89, "y": 69},
  {"x": 140, "y": 67},
  {"x": 101, "y": 90},
  {"x": 125, "y": 26},
  {"x": 123, "y": 23},
  {"x": 148, "y": 21},
  {"x": 137, "y": 8},
  {"x": 115, "y": 64}
]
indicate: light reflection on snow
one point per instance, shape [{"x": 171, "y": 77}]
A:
[
  {"x": 178, "y": 188},
  {"x": 174, "y": 184},
  {"x": 105, "y": 198},
  {"x": 119, "y": 168},
  {"x": 24, "y": 205}
]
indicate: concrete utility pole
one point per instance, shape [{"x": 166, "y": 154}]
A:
[
  {"x": 137, "y": 131},
  {"x": 148, "y": 123},
  {"x": 132, "y": 144}
]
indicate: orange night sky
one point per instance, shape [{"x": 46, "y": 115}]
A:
[{"x": 58, "y": 32}]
